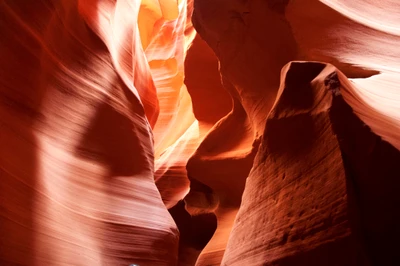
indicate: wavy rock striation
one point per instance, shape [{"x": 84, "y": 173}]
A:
[
  {"x": 254, "y": 40},
  {"x": 270, "y": 138},
  {"x": 80, "y": 94}
]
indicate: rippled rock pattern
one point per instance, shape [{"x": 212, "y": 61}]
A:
[{"x": 199, "y": 132}]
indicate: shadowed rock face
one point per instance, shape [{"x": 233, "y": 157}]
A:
[
  {"x": 372, "y": 169},
  {"x": 252, "y": 63},
  {"x": 304, "y": 187},
  {"x": 270, "y": 138}
]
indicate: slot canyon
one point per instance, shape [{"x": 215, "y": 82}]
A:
[{"x": 200, "y": 132}]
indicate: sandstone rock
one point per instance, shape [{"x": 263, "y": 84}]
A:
[{"x": 270, "y": 138}]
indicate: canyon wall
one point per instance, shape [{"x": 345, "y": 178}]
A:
[{"x": 205, "y": 132}]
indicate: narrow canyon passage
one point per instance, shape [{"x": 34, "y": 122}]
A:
[{"x": 199, "y": 132}]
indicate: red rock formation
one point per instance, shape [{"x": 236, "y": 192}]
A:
[
  {"x": 78, "y": 99},
  {"x": 272, "y": 137},
  {"x": 295, "y": 30}
]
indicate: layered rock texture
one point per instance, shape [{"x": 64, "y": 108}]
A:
[{"x": 205, "y": 132}]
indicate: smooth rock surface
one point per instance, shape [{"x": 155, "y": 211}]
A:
[{"x": 271, "y": 137}]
